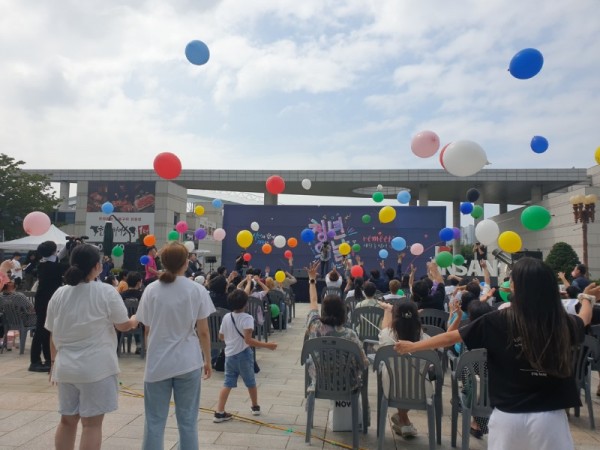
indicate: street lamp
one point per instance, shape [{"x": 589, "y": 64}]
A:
[{"x": 583, "y": 211}]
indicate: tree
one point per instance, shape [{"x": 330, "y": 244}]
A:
[
  {"x": 20, "y": 194},
  {"x": 467, "y": 252},
  {"x": 562, "y": 258}
]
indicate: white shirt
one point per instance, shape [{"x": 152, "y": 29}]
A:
[
  {"x": 171, "y": 311},
  {"x": 234, "y": 343},
  {"x": 81, "y": 319},
  {"x": 570, "y": 304},
  {"x": 16, "y": 269},
  {"x": 329, "y": 283}
]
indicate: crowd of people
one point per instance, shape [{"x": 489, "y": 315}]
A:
[{"x": 80, "y": 307}]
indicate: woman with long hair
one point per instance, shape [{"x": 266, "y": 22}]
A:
[
  {"x": 530, "y": 351},
  {"x": 82, "y": 316},
  {"x": 174, "y": 310}
]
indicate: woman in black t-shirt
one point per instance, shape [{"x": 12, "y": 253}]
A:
[{"x": 529, "y": 347}]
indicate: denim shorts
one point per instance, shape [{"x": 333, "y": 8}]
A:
[{"x": 242, "y": 364}]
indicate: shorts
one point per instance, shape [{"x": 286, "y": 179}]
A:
[
  {"x": 88, "y": 399},
  {"x": 240, "y": 364}
]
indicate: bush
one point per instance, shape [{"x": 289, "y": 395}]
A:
[{"x": 562, "y": 258}]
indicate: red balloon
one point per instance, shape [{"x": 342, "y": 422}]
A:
[
  {"x": 247, "y": 257},
  {"x": 356, "y": 271},
  {"x": 167, "y": 165},
  {"x": 442, "y": 154},
  {"x": 287, "y": 254},
  {"x": 275, "y": 184}
]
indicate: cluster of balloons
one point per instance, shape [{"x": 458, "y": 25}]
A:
[
  {"x": 476, "y": 211},
  {"x": 167, "y": 165},
  {"x": 36, "y": 223}
]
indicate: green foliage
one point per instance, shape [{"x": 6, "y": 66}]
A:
[
  {"x": 562, "y": 258},
  {"x": 467, "y": 252},
  {"x": 20, "y": 194}
]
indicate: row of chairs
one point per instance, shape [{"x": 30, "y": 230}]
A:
[{"x": 12, "y": 320}]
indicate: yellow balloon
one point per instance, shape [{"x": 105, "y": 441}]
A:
[
  {"x": 510, "y": 242},
  {"x": 280, "y": 276},
  {"x": 387, "y": 214},
  {"x": 597, "y": 155},
  {"x": 199, "y": 210},
  {"x": 244, "y": 239},
  {"x": 344, "y": 248}
]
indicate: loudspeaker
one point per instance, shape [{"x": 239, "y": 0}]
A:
[
  {"x": 210, "y": 259},
  {"x": 132, "y": 253}
]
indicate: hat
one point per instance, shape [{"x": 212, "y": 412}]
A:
[{"x": 199, "y": 279}]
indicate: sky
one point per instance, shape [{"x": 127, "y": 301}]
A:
[{"x": 316, "y": 84}]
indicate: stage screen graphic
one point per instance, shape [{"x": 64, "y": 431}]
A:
[{"x": 414, "y": 224}]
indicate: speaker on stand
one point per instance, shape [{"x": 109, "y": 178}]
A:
[{"x": 210, "y": 260}]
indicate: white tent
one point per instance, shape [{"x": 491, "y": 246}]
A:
[{"x": 32, "y": 242}]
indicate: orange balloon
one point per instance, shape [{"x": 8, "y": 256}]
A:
[
  {"x": 292, "y": 242},
  {"x": 149, "y": 240},
  {"x": 266, "y": 249}
]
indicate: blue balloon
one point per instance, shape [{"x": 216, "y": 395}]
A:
[
  {"x": 403, "y": 197},
  {"x": 466, "y": 207},
  {"x": 197, "y": 53},
  {"x": 526, "y": 64},
  {"x": 383, "y": 253},
  {"x": 144, "y": 260},
  {"x": 107, "y": 208},
  {"x": 446, "y": 234},
  {"x": 398, "y": 243},
  {"x": 539, "y": 144},
  {"x": 307, "y": 235},
  {"x": 217, "y": 203}
]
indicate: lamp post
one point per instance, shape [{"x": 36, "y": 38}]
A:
[{"x": 584, "y": 207}]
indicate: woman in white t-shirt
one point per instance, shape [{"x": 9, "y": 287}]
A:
[
  {"x": 175, "y": 311},
  {"x": 81, "y": 318}
]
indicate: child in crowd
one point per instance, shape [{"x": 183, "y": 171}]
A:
[{"x": 236, "y": 331}]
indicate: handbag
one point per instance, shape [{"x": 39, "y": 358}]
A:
[
  {"x": 218, "y": 364},
  {"x": 256, "y": 368}
]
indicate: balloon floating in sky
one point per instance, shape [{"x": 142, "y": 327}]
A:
[
  {"x": 446, "y": 234},
  {"x": 217, "y": 203},
  {"x": 416, "y": 249},
  {"x": 425, "y": 144},
  {"x": 387, "y": 214},
  {"x": 383, "y": 253},
  {"x": 254, "y": 226},
  {"x": 144, "y": 260},
  {"x": 199, "y": 210},
  {"x": 181, "y": 226},
  {"x": 466, "y": 207},
  {"x": 344, "y": 248},
  {"x": 219, "y": 234},
  {"x": 307, "y": 235},
  {"x": 403, "y": 197},
  {"x": 279, "y": 241},
  {"x": 463, "y": 158},
  {"x": 535, "y": 217},
  {"x": 539, "y": 144},
  {"x": 477, "y": 212},
  {"x": 306, "y": 184},
  {"x": 167, "y": 165},
  {"x": 189, "y": 245},
  {"x": 597, "y": 155},
  {"x": 149, "y": 240},
  {"x": 173, "y": 235},
  {"x": 526, "y": 64},
  {"x": 266, "y": 249},
  {"x": 366, "y": 218},
  {"x": 292, "y": 242},
  {"x": 510, "y": 242},
  {"x": 398, "y": 243},
  {"x": 356, "y": 271},
  {"x": 247, "y": 257},
  {"x": 200, "y": 233},
  {"x": 378, "y": 197},
  {"x": 444, "y": 259},
  {"x": 487, "y": 231},
  {"x": 472, "y": 195},
  {"x": 244, "y": 238},
  {"x": 107, "y": 208},
  {"x": 275, "y": 184},
  {"x": 458, "y": 260},
  {"x": 197, "y": 53}
]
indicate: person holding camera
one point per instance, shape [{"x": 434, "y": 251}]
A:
[{"x": 479, "y": 251}]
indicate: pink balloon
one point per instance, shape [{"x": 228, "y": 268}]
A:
[
  {"x": 219, "y": 234},
  {"x": 36, "y": 223},
  {"x": 181, "y": 226},
  {"x": 425, "y": 144},
  {"x": 416, "y": 249}
]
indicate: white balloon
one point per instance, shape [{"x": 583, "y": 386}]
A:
[
  {"x": 254, "y": 226},
  {"x": 487, "y": 231},
  {"x": 306, "y": 184},
  {"x": 379, "y": 187},
  {"x": 189, "y": 245},
  {"x": 464, "y": 158},
  {"x": 279, "y": 241}
]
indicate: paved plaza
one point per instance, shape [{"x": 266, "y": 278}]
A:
[{"x": 28, "y": 416}]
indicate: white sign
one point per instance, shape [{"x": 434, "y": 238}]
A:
[
  {"x": 474, "y": 269},
  {"x": 136, "y": 223}
]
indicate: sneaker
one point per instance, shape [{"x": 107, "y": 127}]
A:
[
  {"x": 221, "y": 417},
  {"x": 408, "y": 431},
  {"x": 39, "y": 367},
  {"x": 255, "y": 410}
]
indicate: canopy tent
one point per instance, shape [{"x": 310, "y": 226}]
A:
[{"x": 32, "y": 242}]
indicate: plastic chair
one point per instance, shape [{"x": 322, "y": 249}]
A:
[
  {"x": 262, "y": 318},
  {"x": 276, "y": 297},
  {"x": 291, "y": 301},
  {"x": 13, "y": 321},
  {"x": 595, "y": 332},
  {"x": 409, "y": 387},
  {"x": 214, "y": 325},
  {"x": 471, "y": 368},
  {"x": 431, "y": 331},
  {"x": 350, "y": 303},
  {"x": 434, "y": 317},
  {"x": 341, "y": 374},
  {"x": 330, "y": 291},
  {"x": 583, "y": 358},
  {"x": 366, "y": 321},
  {"x": 132, "y": 305}
]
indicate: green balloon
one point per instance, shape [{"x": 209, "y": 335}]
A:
[
  {"x": 117, "y": 251},
  {"x": 366, "y": 218},
  {"x": 173, "y": 235},
  {"x": 356, "y": 248},
  {"x": 378, "y": 197},
  {"x": 477, "y": 212},
  {"x": 505, "y": 290},
  {"x": 458, "y": 260},
  {"x": 274, "y": 310},
  {"x": 444, "y": 259},
  {"x": 535, "y": 217}
]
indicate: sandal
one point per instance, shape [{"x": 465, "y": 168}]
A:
[{"x": 477, "y": 434}]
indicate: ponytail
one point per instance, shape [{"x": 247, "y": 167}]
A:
[
  {"x": 174, "y": 257},
  {"x": 84, "y": 259}
]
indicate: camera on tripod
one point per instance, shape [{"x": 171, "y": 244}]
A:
[{"x": 73, "y": 241}]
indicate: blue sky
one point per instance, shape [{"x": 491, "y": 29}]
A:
[{"x": 312, "y": 84}]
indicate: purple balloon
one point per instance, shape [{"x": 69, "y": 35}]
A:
[
  {"x": 200, "y": 233},
  {"x": 456, "y": 233},
  {"x": 331, "y": 234}
]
